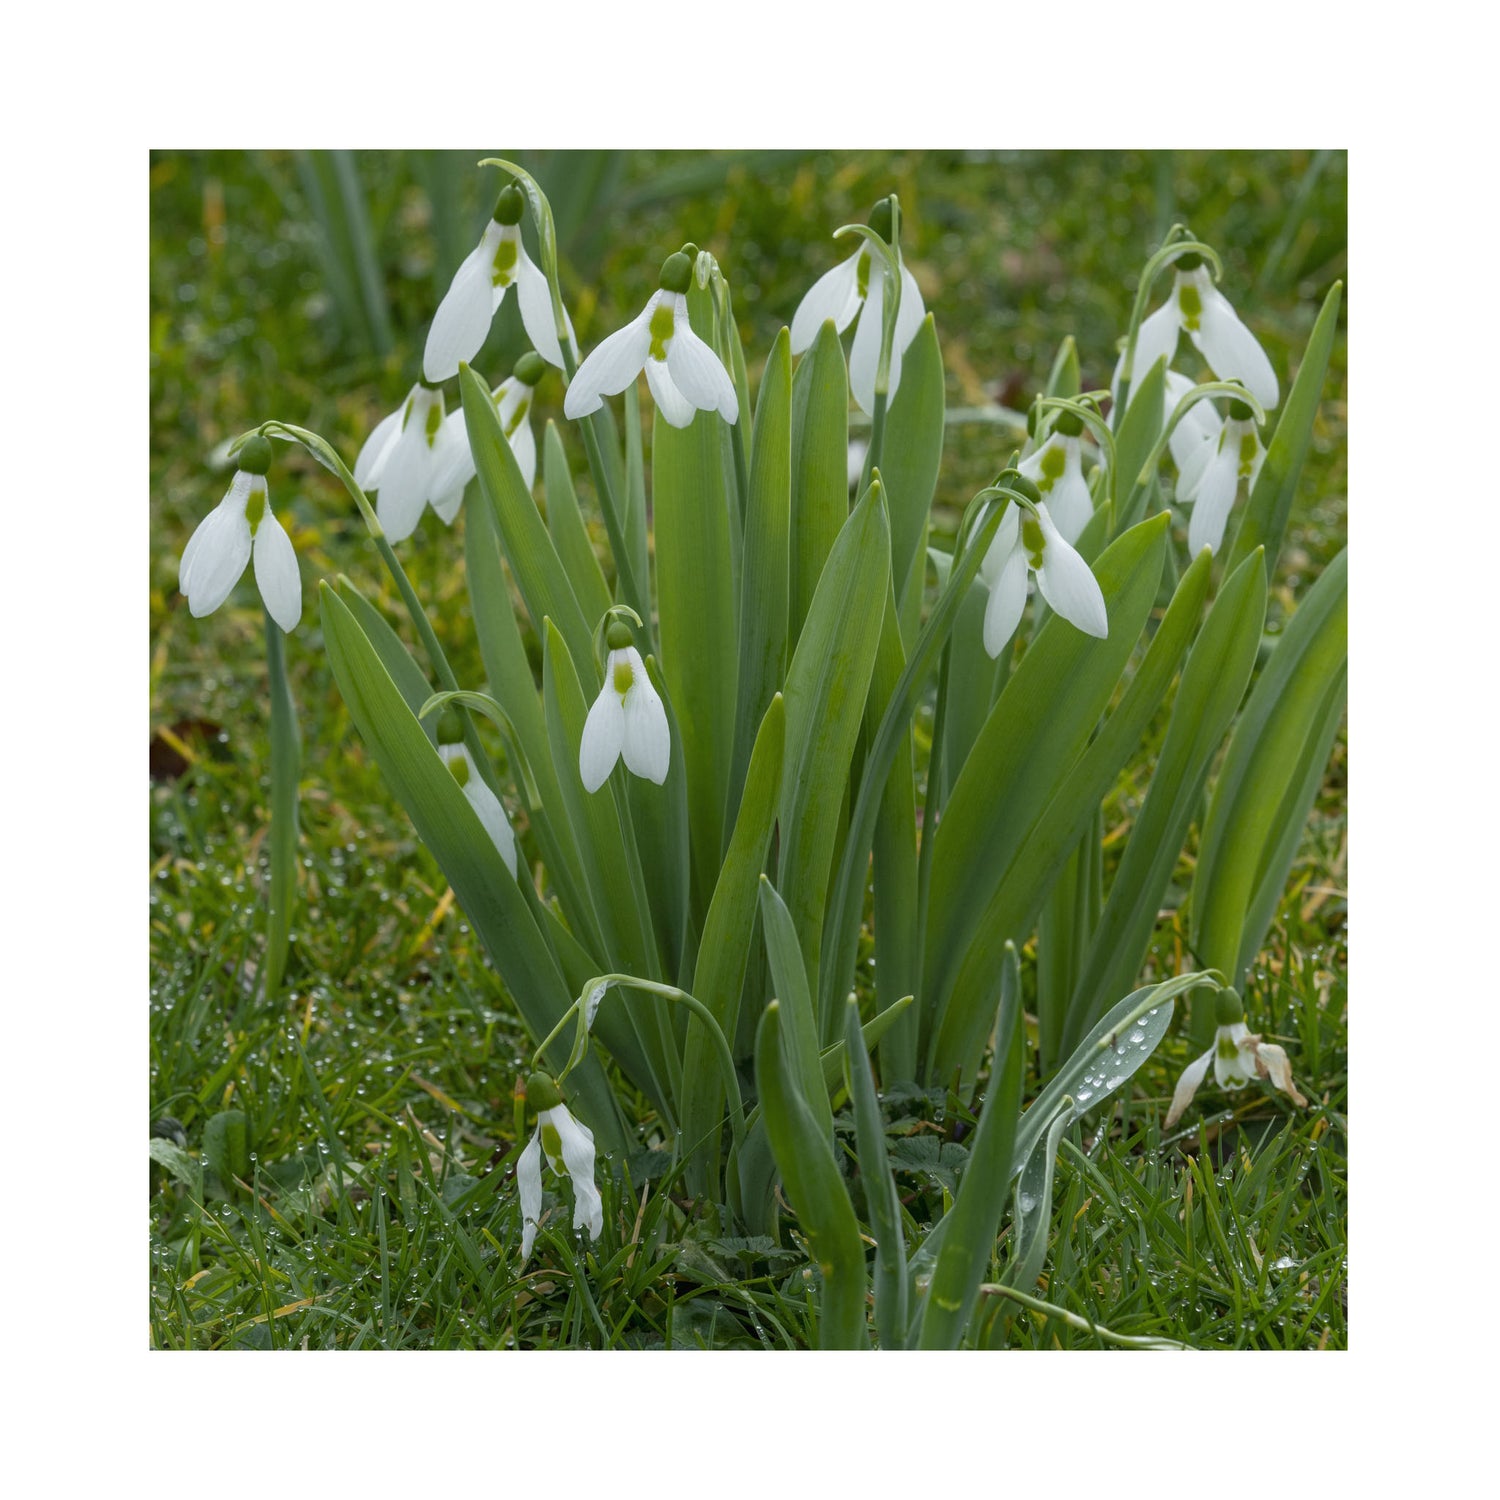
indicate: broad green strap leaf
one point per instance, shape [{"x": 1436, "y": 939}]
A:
[
  {"x": 1017, "y": 899},
  {"x": 695, "y": 600},
  {"x": 804, "y": 1157},
  {"x": 1213, "y": 684},
  {"x": 911, "y": 453},
  {"x": 1264, "y": 520},
  {"x": 449, "y": 827},
  {"x": 1137, "y": 435},
  {"x": 820, "y": 467},
  {"x": 411, "y": 681},
  {"x": 763, "y": 598},
  {"x": 539, "y": 572},
  {"x": 880, "y": 1189},
  {"x": 1033, "y": 1213},
  {"x": 1031, "y": 740},
  {"x": 826, "y": 688},
  {"x": 800, "y": 1031},
  {"x": 1064, "y": 928},
  {"x": 719, "y": 975},
  {"x": 1064, "y": 379},
  {"x": 972, "y": 1224},
  {"x": 1264, "y": 776},
  {"x": 569, "y": 535},
  {"x": 975, "y": 680}
]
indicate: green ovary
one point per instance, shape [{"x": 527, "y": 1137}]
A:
[{"x": 663, "y": 321}]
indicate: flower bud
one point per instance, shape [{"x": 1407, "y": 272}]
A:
[
  {"x": 450, "y": 726},
  {"x": 1189, "y": 262},
  {"x": 254, "y": 456},
  {"x": 618, "y": 636},
  {"x": 1239, "y": 412},
  {"x": 677, "y": 272},
  {"x": 509, "y": 206},
  {"x": 1025, "y": 488},
  {"x": 542, "y": 1092},
  {"x": 1227, "y": 1008},
  {"x": 530, "y": 368},
  {"x": 1069, "y": 424}
]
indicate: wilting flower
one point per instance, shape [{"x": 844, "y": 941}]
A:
[
  {"x": 1210, "y": 479},
  {"x": 569, "y": 1148},
  {"x": 840, "y": 294},
  {"x": 627, "y": 719},
  {"x": 684, "y": 374},
  {"x": 483, "y": 800},
  {"x": 497, "y": 263},
  {"x": 1056, "y": 469},
  {"x": 1028, "y": 540},
  {"x": 1239, "y": 1057},
  {"x": 1197, "y": 306},
  {"x": 401, "y": 458},
  {"x": 455, "y": 464},
  {"x": 239, "y": 527}
]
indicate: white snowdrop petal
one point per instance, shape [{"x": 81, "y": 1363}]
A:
[
  {"x": 276, "y": 572},
  {"x": 529, "y": 1189},
  {"x": 218, "y": 560},
  {"x": 523, "y": 445},
  {"x": 1232, "y": 351},
  {"x": 1002, "y": 544},
  {"x": 1273, "y": 1063},
  {"x": 1157, "y": 336},
  {"x": 452, "y": 461},
  {"x": 698, "y": 372},
  {"x": 1007, "y": 600},
  {"x": 909, "y": 315},
  {"x": 647, "y": 742},
  {"x": 1070, "y": 503},
  {"x": 1192, "y": 1077},
  {"x": 535, "y": 297},
  {"x": 1068, "y": 583},
  {"x": 1214, "y": 499},
  {"x": 377, "y": 449},
  {"x": 234, "y": 499},
  {"x": 612, "y": 366},
  {"x": 670, "y": 401},
  {"x": 835, "y": 295},
  {"x": 404, "y": 482},
  {"x": 490, "y": 811},
  {"x": 578, "y": 1156},
  {"x": 462, "y": 321},
  {"x": 864, "y": 357},
  {"x": 603, "y": 735}
]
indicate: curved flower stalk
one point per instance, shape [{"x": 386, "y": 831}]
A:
[
  {"x": 401, "y": 458},
  {"x": 1210, "y": 478},
  {"x": 627, "y": 719},
  {"x": 455, "y": 464},
  {"x": 241, "y": 526},
  {"x": 568, "y": 1145},
  {"x": 487, "y": 806},
  {"x": 1238, "y": 1056},
  {"x": 1199, "y": 424},
  {"x": 1032, "y": 542},
  {"x": 684, "y": 374},
  {"x": 498, "y": 262},
  {"x": 1056, "y": 469},
  {"x": 850, "y": 291},
  {"x": 1196, "y": 306}
]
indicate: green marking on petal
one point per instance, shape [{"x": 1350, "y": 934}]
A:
[
  {"x": 459, "y": 765},
  {"x": 552, "y": 1145},
  {"x": 862, "y": 274},
  {"x": 255, "y": 507},
  {"x": 1033, "y": 540},
  {"x": 1191, "y": 303},
  {"x": 505, "y": 263},
  {"x": 1054, "y": 461},
  {"x": 624, "y": 677},
  {"x": 434, "y": 422},
  {"x": 1248, "y": 446},
  {"x": 663, "y": 321},
  {"x": 406, "y": 411},
  {"x": 517, "y": 417},
  {"x": 1228, "y": 1048}
]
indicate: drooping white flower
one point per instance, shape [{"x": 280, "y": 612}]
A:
[
  {"x": 840, "y": 294},
  {"x": 1028, "y": 540},
  {"x": 627, "y": 719},
  {"x": 684, "y": 374},
  {"x": 1238, "y": 1057},
  {"x": 482, "y": 799},
  {"x": 1210, "y": 480},
  {"x": 1200, "y": 424},
  {"x": 1198, "y": 307},
  {"x": 568, "y": 1145},
  {"x": 496, "y": 264},
  {"x": 1056, "y": 469},
  {"x": 402, "y": 457},
  {"x": 454, "y": 467},
  {"x": 241, "y": 526}
]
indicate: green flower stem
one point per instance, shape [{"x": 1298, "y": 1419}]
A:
[
  {"x": 286, "y": 764},
  {"x": 877, "y": 440},
  {"x": 1075, "y": 1320}
]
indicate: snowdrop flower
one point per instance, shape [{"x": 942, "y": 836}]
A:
[
  {"x": 1197, "y": 305},
  {"x": 840, "y": 294},
  {"x": 498, "y": 262},
  {"x": 454, "y": 467},
  {"x": 627, "y": 719},
  {"x": 569, "y": 1148},
  {"x": 1200, "y": 423},
  {"x": 482, "y": 799},
  {"x": 1210, "y": 479},
  {"x": 1056, "y": 469},
  {"x": 239, "y": 527},
  {"x": 402, "y": 456},
  {"x": 684, "y": 374},
  {"x": 1238, "y": 1056},
  {"x": 1028, "y": 539}
]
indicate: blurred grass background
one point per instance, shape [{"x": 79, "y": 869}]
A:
[{"x": 300, "y": 286}]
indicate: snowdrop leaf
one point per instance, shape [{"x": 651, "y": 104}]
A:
[
  {"x": 465, "y": 853},
  {"x": 1134, "y": 440},
  {"x": 800, "y": 1025},
  {"x": 820, "y": 468},
  {"x": 1064, "y": 378},
  {"x": 1211, "y": 690},
  {"x": 569, "y": 535},
  {"x": 1033, "y": 1211},
  {"x": 409, "y": 678},
  {"x": 1263, "y": 522},
  {"x": 804, "y": 1156}
]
